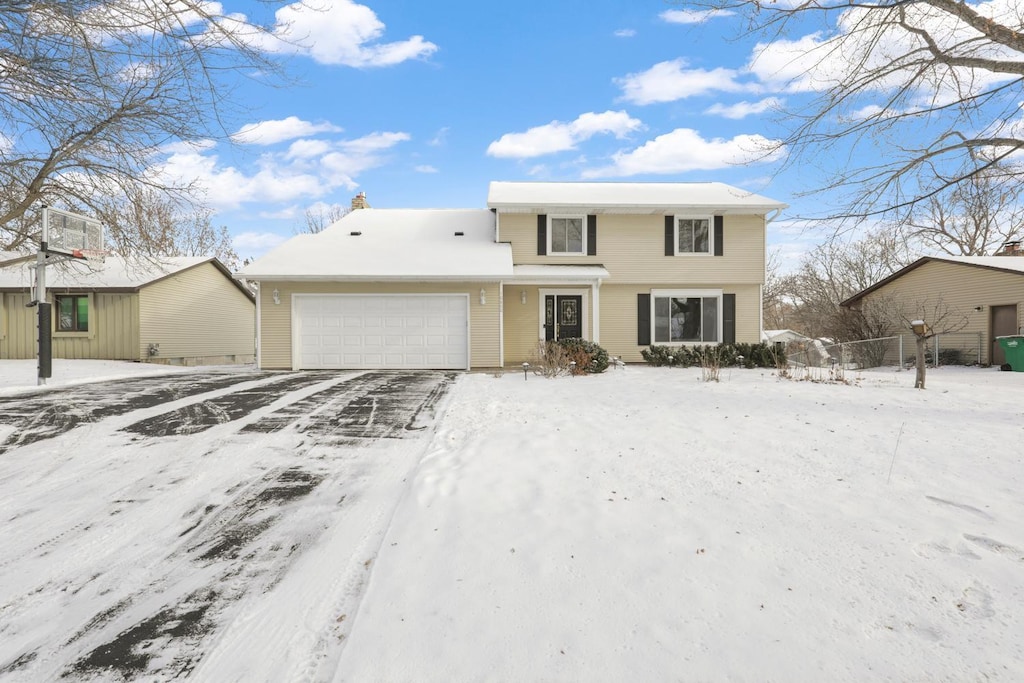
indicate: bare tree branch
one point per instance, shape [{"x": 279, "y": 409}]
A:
[{"x": 90, "y": 93}]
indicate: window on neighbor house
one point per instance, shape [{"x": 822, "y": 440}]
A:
[
  {"x": 686, "y": 318},
  {"x": 693, "y": 235},
  {"x": 72, "y": 313},
  {"x": 566, "y": 235}
]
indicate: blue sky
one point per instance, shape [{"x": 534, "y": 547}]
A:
[{"x": 422, "y": 104}]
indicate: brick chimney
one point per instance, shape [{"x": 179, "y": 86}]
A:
[
  {"x": 359, "y": 202},
  {"x": 1011, "y": 249}
]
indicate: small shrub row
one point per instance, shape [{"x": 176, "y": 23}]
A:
[{"x": 723, "y": 355}]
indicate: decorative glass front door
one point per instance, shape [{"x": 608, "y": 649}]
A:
[{"x": 563, "y": 317}]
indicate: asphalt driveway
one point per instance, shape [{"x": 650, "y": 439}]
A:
[{"x": 149, "y": 526}]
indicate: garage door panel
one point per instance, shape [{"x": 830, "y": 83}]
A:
[{"x": 381, "y": 331}]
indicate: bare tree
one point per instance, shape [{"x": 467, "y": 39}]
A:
[
  {"x": 773, "y": 295},
  {"x": 167, "y": 227},
  {"x": 836, "y": 270},
  {"x": 90, "y": 93},
  {"x": 320, "y": 216},
  {"x": 927, "y": 319},
  {"x": 972, "y": 219},
  {"x": 911, "y": 97}
]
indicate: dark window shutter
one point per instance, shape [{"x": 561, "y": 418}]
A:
[
  {"x": 670, "y": 237},
  {"x": 542, "y": 234},
  {"x": 643, "y": 319},
  {"x": 728, "y": 318},
  {"x": 719, "y": 242},
  {"x": 591, "y": 235}
]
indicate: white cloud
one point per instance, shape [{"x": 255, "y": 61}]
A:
[
  {"x": 248, "y": 242},
  {"x": 280, "y": 176},
  {"x": 425, "y": 168},
  {"x": 669, "y": 81},
  {"x": 558, "y": 136},
  {"x": 274, "y": 131},
  {"x": 691, "y": 16},
  {"x": 342, "y": 32},
  {"x": 440, "y": 137},
  {"x": 741, "y": 110},
  {"x": 685, "y": 150},
  {"x": 625, "y": 33},
  {"x": 308, "y": 149}
]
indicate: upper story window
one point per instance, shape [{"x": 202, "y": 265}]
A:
[
  {"x": 567, "y": 235},
  {"x": 693, "y": 235}
]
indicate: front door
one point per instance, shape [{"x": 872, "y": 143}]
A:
[
  {"x": 1004, "y": 324},
  {"x": 563, "y": 317}
]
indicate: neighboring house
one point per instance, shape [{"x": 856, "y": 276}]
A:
[
  {"x": 625, "y": 265},
  {"x": 783, "y": 337},
  {"x": 180, "y": 310},
  {"x": 986, "y": 291}
]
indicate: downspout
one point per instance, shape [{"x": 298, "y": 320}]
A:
[{"x": 259, "y": 331}]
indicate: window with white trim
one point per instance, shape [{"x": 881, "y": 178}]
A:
[
  {"x": 686, "y": 317},
  {"x": 567, "y": 235},
  {"x": 694, "y": 235}
]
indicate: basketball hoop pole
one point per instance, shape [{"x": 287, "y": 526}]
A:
[{"x": 45, "y": 345}]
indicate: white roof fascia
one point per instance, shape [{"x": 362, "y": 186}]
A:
[
  {"x": 550, "y": 274},
  {"x": 285, "y": 277}
]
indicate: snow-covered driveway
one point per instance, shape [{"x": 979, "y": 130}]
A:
[{"x": 145, "y": 521}]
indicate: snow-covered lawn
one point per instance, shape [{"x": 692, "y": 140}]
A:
[
  {"x": 640, "y": 525},
  {"x": 645, "y": 526}
]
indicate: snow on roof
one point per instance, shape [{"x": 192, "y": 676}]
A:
[
  {"x": 1001, "y": 262},
  {"x": 627, "y": 197},
  {"x": 395, "y": 244},
  {"x": 115, "y": 272}
]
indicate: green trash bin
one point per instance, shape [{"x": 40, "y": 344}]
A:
[{"x": 1013, "y": 347}]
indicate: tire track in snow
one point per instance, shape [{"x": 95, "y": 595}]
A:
[
  {"x": 43, "y": 415},
  {"x": 246, "y": 546}
]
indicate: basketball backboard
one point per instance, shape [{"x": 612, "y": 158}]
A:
[{"x": 67, "y": 233}]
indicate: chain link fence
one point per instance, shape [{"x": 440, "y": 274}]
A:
[{"x": 955, "y": 348}]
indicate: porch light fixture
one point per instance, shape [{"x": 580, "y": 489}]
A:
[
  {"x": 277, "y": 297},
  {"x": 483, "y": 297},
  {"x": 522, "y": 297}
]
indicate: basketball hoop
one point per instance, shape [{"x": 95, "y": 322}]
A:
[{"x": 97, "y": 256}]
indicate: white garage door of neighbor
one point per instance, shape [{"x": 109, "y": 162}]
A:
[{"x": 402, "y": 331}]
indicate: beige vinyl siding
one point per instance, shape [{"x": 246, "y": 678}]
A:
[
  {"x": 276, "y": 324},
  {"x": 619, "y": 315},
  {"x": 112, "y": 331},
  {"x": 632, "y": 248},
  {"x": 962, "y": 288},
  {"x": 523, "y": 321},
  {"x": 196, "y": 316},
  {"x": 18, "y": 336}
]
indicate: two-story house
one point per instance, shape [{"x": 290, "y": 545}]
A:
[{"x": 625, "y": 265}]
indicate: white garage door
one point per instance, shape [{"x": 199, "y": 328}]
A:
[{"x": 407, "y": 331}]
